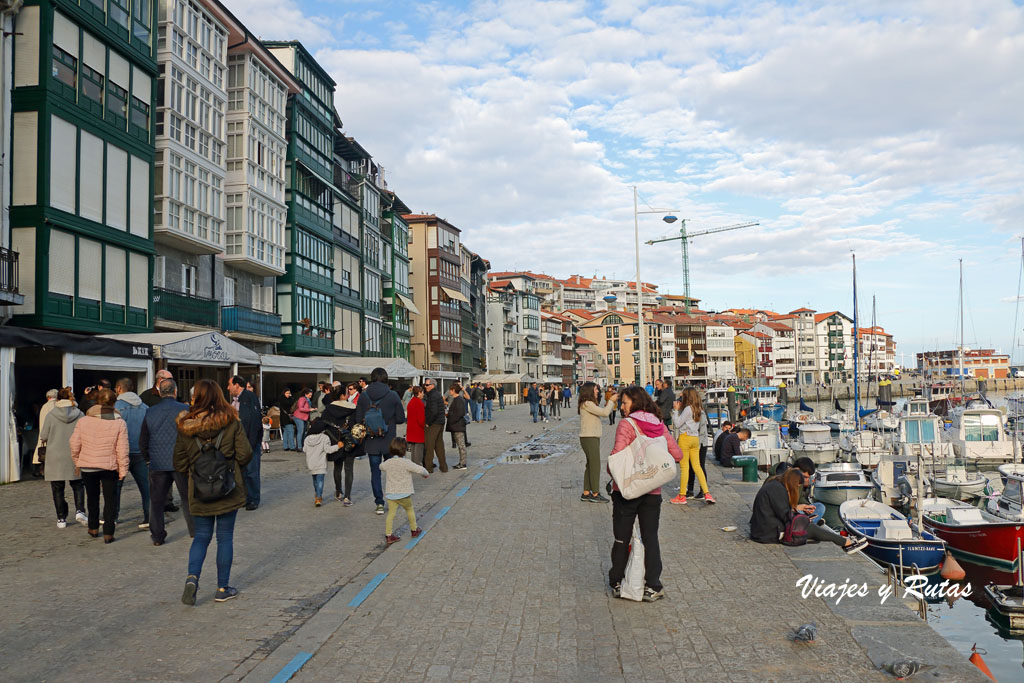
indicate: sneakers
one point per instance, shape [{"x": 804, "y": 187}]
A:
[
  {"x": 709, "y": 499},
  {"x": 62, "y": 523},
  {"x": 227, "y": 593},
  {"x": 392, "y": 538},
  {"x": 144, "y": 525},
  {"x": 596, "y": 497},
  {"x": 188, "y": 596},
  {"x": 81, "y": 518},
  {"x": 346, "y": 502},
  {"x": 651, "y": 595},
  {"x": 617, "y": 590},
  {"x": 679, "y": 500},
  {"x": 416, "y": 532},
  {"x": 338, "y": 497},
  {"x": 380, "y": 509},
  {"x": 458, "y": 467},
  {"x": 856, "y": 546},
  {"x": 585, "y": 497},
  {"x": 317, "y": 501}
]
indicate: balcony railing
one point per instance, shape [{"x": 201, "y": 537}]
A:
[
  {"x": 8, "y": 271},
  {"x": 185, "y": 308},
  {"x": 450, "y": 367},
  {"x": 250, "y": 321},
  {"x": 532, "y": 353}
]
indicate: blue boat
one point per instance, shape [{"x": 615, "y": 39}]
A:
[
  {"x": 892, "y": 539},
  {"x": 765, "y": 401}
]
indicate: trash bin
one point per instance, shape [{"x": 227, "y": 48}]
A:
[{"x": 749, "y": 465}]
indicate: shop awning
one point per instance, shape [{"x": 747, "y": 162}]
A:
[
  {"x": 296, "y": 365},
  {"x": 198, "y": 348},
  {"x": 504, "y": 379},
  {"x": 454, "y": 294},
  {"x": 397, "y": 368},
  {"x": 22, "y": 337},
  {"x": 407, "y": 303}
]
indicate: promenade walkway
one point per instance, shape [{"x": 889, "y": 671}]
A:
[{"x": 508, "y": 583}]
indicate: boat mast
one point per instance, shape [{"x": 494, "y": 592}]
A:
[
  {"x": 961, "y": 328},
  {"x": 856, "y": 354}
]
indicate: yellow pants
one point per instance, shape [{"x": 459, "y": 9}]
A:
[
  {"x": 406, "y": 504},
  {"x": 690, "y": 446}
]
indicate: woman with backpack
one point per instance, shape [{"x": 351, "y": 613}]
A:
[
  {"x": 775, "y": 513},
  {"x": 211, "y": 451},
  {"x": 339, "y": 416}
]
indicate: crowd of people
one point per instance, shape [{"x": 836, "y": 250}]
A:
[{"x": 547, "y": 400}]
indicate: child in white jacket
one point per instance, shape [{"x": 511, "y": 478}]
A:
[
  {"x": 398, "y": 488},
  {"x": 317, "y": 446}
]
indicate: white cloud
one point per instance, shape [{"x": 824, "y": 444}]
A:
[{"x": 284, "y": 20}]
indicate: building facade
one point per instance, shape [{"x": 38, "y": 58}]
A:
[
  {"x": 398, "y": 304},
  {"x": 617, "y": 336},
  {"x": 977, "y": 363}
]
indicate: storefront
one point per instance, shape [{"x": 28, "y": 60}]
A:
[
  {"x": 401, "y": 372},
  {"x": 34, "y": 361},
  {"x": 278, "y": 373}
]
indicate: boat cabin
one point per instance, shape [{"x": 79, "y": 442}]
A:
[
  {"x": 917, "y": 407},
  {"x": 815, "y": 433},
  {"x": 764, "y": 395}
]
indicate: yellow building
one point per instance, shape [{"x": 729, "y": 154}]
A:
[
  {"x": 616, "y": 334},
  {"x": 746, "y": 357}
]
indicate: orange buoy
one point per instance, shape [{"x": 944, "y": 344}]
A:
[
  {"x": 952, "y": 570},
  {"x": 977, "y": 661}
]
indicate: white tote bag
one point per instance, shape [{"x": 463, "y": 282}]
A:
[
  {"x": 642, "y": 466},
  {"x": 633, "y": 583}
]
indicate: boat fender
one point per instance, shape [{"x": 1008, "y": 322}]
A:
[
  {"x": 977, "y": 661},
  {"x": 952, "y": 570}
]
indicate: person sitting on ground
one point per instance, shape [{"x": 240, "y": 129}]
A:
[
  {"x": 716, "y": 444},
  {"x": 816, "y": 511},
  {"x": 777, "y": 501},
  {"x": 398, "y": 488},
  {"x": 731, "y": 445}
]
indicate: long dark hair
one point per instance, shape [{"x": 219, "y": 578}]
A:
[
  {"x": 588, "y": 392},
  {"x": 209, "y": 399},
  {"x": 793, "y": 480},
  {"x": 639, "y": 399}
]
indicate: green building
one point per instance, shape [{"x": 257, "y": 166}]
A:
[
  {"x": 82, "y": 163},
  {"x": 398, "y": 305},
  {"x": 348, "y": 259},
  {"x": 306, "y": 292}
]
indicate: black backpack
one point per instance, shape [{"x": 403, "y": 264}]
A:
[{"x": 213, "y": 474}]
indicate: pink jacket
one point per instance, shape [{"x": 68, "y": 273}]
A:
[
  {"x": 100, "y": 440},
  {"x": 302, "y": 409},
  {"x": 652, "y": 427}
]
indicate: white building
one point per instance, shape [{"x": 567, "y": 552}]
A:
[
  {"x": 721, "y": 351},
  {"x": 783, "y": 350},
  {"x": 877, "y": 352},
  {"x": 514, "y": 330}
]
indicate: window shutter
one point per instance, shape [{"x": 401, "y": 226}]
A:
[
  {"x": 63, "y": 145},
  {"x": 25, "y": 144},
  {"x": 26, "y": 47},
  {"x": 94, "y": 53},
  {"x": 138, "y": 285},
  {"x": 65, "y": 34},
  {"x": 90, "y": 270},
  {"x": 159, "y": 271},
  {"x": 141, "y": 85},
  {"x": 116, "y": 285},
  {"x": 90, "y": 177},
  {"x": 62, "y": 260},
  {"x": 140, "y": 197},
  {"x": 117, "y": 188},
  {"x": 119, "y": 69}
]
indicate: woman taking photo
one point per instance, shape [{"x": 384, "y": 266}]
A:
[
  {"x": 212, "y": 421},
  {"x": 641, "y": 415},
  {"x": 55, "y": 437},
  {"x": 591, "y": 416},
  {"x": 99, "y": 449},
  {"x": 687, "y": 423}
]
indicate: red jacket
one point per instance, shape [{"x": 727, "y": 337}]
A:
[
  {"x": 416, "y": 421},
  {"x": 651, "y": 427}
]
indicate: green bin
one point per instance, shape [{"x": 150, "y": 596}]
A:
[{"x": 749, "y": 465}]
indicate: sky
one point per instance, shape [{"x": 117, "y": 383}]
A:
[{"x": 891, "y": 129}]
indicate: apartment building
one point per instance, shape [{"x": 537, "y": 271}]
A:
[
  {"x": 504, "y": 341},
  {"x": 398, "y": 304},
  {"x": 617, "y": 336},
  {"x": 783, "y": 350},
  {"x": 877, "y": 352},
  {"x": 558, "y": 348},
  {"x": 81, "y": 203},
  {"x": 305, "y": 293},
  {"x": 978, "y": 363},
  {"x": 721, "y": 347},
  {"x": 347, "y": 247},
  {"x": 473, "y": 280}
]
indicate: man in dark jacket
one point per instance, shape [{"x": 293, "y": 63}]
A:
[
  {"x": 533, "y": 398},
  {"x": 731, "y": 445},
  {"x": 151, "y": 396},
  {"x": 488, "y": 405},
  {"x": 433, "y": 418},
  {"x": 380, "y": 395},
  {"x": 716, "y": 445},
  {"x": 156, "y": 442},
  {"x": 664, "y": 397},
  {"x": 457, "y": 422},
  {"x": 476, "y": 398},
  {"x": 248, "y": 407}
]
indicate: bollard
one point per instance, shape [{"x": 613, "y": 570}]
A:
[
  {"x": 734, "y": 411},
  {"x": 749, "y": 465}
]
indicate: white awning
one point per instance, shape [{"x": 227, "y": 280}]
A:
[
  {"x": 296, "y": 365},
  {"x": 197, "y": 348},
  {"x": 455, "y": 294},
  {"x": 407, "y": 303},
  {"x": 397, "y": 368},
  {"x": 86, "y": 362}
]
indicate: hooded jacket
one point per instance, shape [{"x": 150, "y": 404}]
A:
[
  {"x": 234, "y": 444},
  {"x": 133, "y": 411},
  {"x": 56, "y": 433},
  {"x": 100, "y": 441},
  {"x": 316, "y": 447},
  {"x": 415, "y": 431},
  {"x": 390, "y": 405},
  {"x": 335, "y": 415},
  {"x": 769, "y": 513},
  {"x": 456, "y": 415},
  {"x": 651, "y": 427}
]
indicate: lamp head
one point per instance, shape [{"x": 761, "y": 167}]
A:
[{"x": 670, "y": 219}]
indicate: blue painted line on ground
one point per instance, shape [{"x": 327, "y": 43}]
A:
[
  {"x": 412, "y": 544},
  {"x": 443, "y": 512},
  {"x": 292, "y": 667},
  {"x": 370, "y": 587},
  {"x": 488, "y": 465},
  {"x": 477, "y": 476},
  {"x": 462, "y": 492}
]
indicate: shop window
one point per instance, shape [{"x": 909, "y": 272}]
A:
[{"x": 65, "y": 67}]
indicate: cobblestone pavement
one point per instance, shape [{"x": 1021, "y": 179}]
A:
[{"x": 508, "y": 583}]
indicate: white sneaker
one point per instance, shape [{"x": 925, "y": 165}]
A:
[
  {"x": 61, "y": 524},
  {"x": 144, "y": 525},
  {"x": 81, "y": 518}
]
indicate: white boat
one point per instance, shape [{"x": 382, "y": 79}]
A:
[
  {"x": 1015, "y": 405},
  {"x": 895, "y": 479},
  {"x": 716, "y": 403},
  {"x": 1010, "y": 468},
  {"x": 954, "y": 481},
  {"x": 765, "y": 442},
  {"x": 978, "y": 435},
  {"x": 767, "y": 401},
  {"x": 1008, "y": 503},
  {"x": 881, "y": 421},
  {"x": 920, "y": 435},
  {"x": 838, "y": 482},
  {"x": 815, "y": 442},
  {"x": 932, "y": 504},
  {"x": 864, "y": 447}
]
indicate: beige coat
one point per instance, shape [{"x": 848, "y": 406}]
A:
[
  {"x": 591, "y": 416},
  {"x": 100, "y": 441}
]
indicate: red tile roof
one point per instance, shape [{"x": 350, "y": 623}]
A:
[
  {"x": 581, "y": 312},
  {"x": 822, "y": 316},
  {"x": 803, "y": 310},
  {"x": 876, "y": 330},
  {"x": 580, "y": 341}
]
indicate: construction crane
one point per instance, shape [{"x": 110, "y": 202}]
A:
[{"x": 684, "y": 239}]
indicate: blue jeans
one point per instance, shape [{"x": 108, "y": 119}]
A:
[
  {"x": 474, "y": 410},
  {"x": 288, "y": 437},
  {"x": 533, "y": 411},
  {"x": 225, "y": 525},
  {"x": 819, "y": 512},
  {"x": 501, "y": 401},
  {"x": 251, "y": 475},
  {"x": 300, "y": 430},
  {"x": 488, "y": 414},
  {"x": 378, "y": 490},
  {"x": 140, "y": 473},
  {"x": 318, "y": 485}
]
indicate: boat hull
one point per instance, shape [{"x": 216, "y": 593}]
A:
[
  {"x": 993, "y": 544},
  {"x": 923, "y": 554},
  {"x": 837, "y": 495},
  {"x": 958, "y": 490},
  {"x": 819, "y": 456}
]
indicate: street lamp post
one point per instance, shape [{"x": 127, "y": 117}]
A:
[{"x": 669, "y": 218}]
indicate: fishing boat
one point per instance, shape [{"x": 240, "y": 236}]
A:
[
  {"x": 892, "y": 539},
  {"x": 765, "y": 442},
  {"x": 954, "y": 481},
  {"x": 838, "y": 482},
  {"x": 767, "y": 401},
  {"x": 976, "y": 535},
  {"x": 920, "y": 434},
  {"x": 978, "y": 436},
  {"x": 865, "y": 448},
  {"x": 1008, "y": 605},
  {"x": 1007, "y": 505},
  {"x": 815, "y": 442}
]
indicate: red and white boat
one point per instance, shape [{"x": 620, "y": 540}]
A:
[{"x": 977, "y": 536}]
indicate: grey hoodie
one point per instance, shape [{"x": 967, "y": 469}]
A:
[{"x": 133, "y": 410}]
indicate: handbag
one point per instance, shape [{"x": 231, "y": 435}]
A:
[
  {"x": 632, "y": 587},
  {"x": 41, "y": 452},
  {"x": 642, "y": 466}
]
